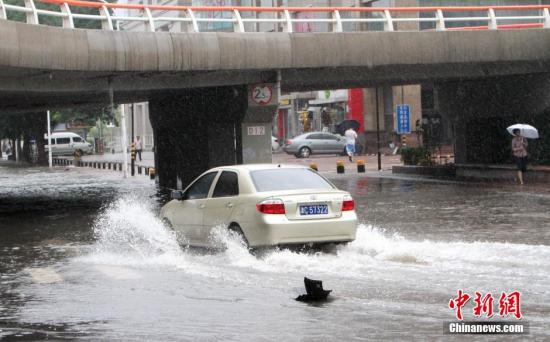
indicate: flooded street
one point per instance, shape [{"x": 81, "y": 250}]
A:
[{"x": 83, "y": 255}]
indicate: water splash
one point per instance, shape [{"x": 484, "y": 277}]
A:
[{"x": 129, "y": 233}]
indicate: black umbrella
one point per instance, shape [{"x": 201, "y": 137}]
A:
[{"x": 343, "y": 126}]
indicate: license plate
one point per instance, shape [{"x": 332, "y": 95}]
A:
[{"x": 318, "y": 209}]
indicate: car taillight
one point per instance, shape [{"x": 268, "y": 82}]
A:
[
  {"x": 348, "y": 203},
  {"x": 274, "y": 206},
  {"x": 288, "y": 142}
]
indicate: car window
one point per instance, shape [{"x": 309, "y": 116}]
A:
[
  {"x": 288, "y": 179},
  {"x": 200, "y": 188},
  {"x": 329, "y": 137},
  {"x": 46, "y": 142},
  {"x": 227, "y": 185},
  {"x": 315, "y": 136},
  {"x": 77, "y": 139},
  {"x": 63, "y": 140}
]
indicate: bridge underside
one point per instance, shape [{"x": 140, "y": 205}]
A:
[{"x": 23, "y": 90}]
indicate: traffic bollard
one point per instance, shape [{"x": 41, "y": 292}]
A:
[
  {"x": 340, "y": 167},
  {"x": 152, "y": 173},
  {"x": 361, "y": 166}
]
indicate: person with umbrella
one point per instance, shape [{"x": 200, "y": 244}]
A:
[
  {"x": 519, "y": 145},
  {"x": 519, "y": 150},
  {"x": 350, "y": 135}
]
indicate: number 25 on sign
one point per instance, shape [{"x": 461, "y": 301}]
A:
[{"x": 262, "y": 94}]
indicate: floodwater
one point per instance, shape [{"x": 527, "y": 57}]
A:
[{"x": 83, "y": 255}]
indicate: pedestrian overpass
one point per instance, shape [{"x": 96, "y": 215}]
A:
[{"x": 200, "y": 85}]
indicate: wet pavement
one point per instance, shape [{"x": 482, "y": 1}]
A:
[{"x": 83, "y": 255}]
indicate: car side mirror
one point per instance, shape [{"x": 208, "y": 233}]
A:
[{"x": 177, "y": 195}]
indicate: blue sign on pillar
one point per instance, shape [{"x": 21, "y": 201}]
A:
[{"x": 403, "y": 119}]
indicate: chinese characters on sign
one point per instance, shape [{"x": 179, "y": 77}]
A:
[
  {"x": 508, "y": 304},
  {"x": 403, "y": 119}
]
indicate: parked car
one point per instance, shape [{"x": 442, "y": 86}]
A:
[
  {"x": 274, "y": 144},
  {"x": 266, "y": 204},
  {"x": 306, "y": 144},
  {"x": 67, "y": 143}
]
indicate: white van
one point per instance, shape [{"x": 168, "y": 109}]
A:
[{"x": 67, "y": 143}]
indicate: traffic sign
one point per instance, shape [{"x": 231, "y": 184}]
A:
[
  {"x": 403, "y": 119},
  {"x": 261, "y": 94}
]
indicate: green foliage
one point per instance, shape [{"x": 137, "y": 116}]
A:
[
  {"x": 415, "y": 156},
  {"x": 76, "y": 117}
]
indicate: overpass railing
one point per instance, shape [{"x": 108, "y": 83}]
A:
[{"x": 285, "y": 19}]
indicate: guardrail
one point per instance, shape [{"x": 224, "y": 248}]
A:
[{"x": 286, "y": 17}]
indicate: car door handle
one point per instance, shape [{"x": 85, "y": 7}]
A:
[
  {"x": 201, "y": 206},
  {"x": 229, "y": 205}
]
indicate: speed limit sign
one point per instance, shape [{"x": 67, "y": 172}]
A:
[{"x": 261, "y": 94}]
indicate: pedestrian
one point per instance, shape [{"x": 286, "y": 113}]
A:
[
  {"x": 519, "y": 150},
  {"x": 139, "y": 147},
  {"x": 350, "y": 135}
]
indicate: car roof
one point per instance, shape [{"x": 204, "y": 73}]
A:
[
  {"x": 65, "y": 133},
  {"x": 254, "y": 167}
]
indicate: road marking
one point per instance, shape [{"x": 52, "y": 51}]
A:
[{"x": 45, "y": 275}]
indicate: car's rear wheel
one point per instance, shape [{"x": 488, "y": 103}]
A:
[
  {"x": 235, "y": 229},
  {"x": 304, "y": 152}
]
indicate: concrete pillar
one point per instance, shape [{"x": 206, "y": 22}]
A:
[
  {"x": 481, "y": 110},
  {"x": 195, "y": 130},
  {"x": 256, "y": 125}
]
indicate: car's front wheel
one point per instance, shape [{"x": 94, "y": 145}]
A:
[{"x": 304, "y": 152}]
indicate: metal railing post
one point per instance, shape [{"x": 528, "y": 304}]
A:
[
  {"x": 238, "y": 25},
  {"x": 3, "y": 14},
  {"x": 440, "y": 24},
  {"x": 32, "y": 17},
  {"x": 337, "y": 25},
  {"x": 546, "y": 15},
  {"x": 68, "y": 21},
  {"x": 151, "y": 21},
  {"x": 287, "y": 25},
  {"x": 192, "y": 26},
  {"x": 492, "y": 19},
  {"x": 388, "y": 24},
  {"x": 106, "y": 22}
]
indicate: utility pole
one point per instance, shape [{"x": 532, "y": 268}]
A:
[
  {"x": 133, "y": 171},
  {"x": 124, "y": 141},
  {"x": 49, "y": 141},
  {"x": 378, "y": 130}
]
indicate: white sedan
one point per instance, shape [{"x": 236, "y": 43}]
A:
[{"x": 267, "y": 204}]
